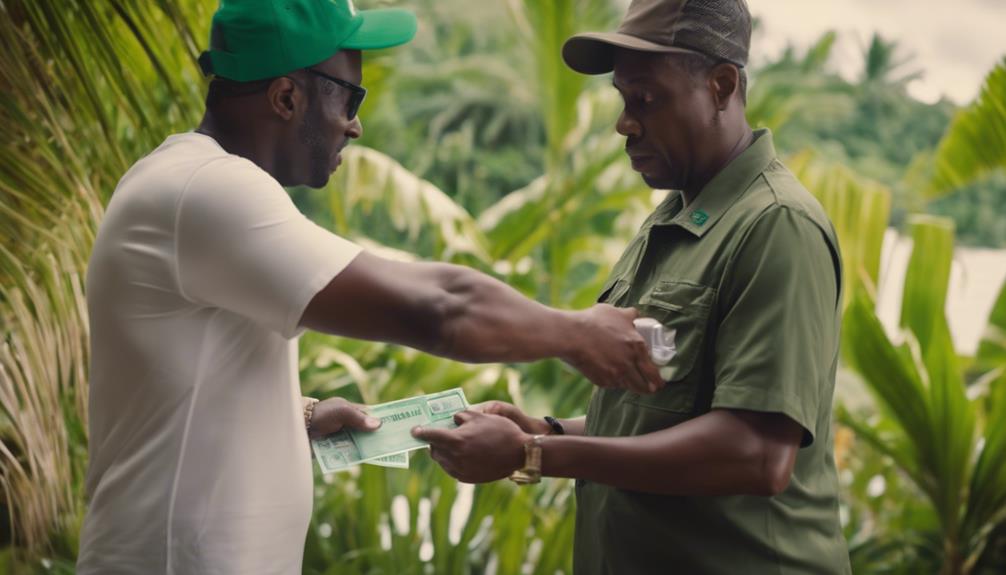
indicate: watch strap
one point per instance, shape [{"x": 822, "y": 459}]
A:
[{"x": 557, "y": 428}]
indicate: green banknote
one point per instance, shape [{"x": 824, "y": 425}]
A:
[
  {"x": 399, "y": 460},
  {"x": 385, "y": 446}
]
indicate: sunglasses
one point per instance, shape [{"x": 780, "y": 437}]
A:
[{"x": 356, "y": 93}]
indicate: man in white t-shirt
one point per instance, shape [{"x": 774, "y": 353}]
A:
[{"x": 204, "y": 273}]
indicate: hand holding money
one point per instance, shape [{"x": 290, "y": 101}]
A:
[
  {"x": 331, "y": 415},
  {"x": 390, "y": 444},
  {"x": 484, "y": 448}
]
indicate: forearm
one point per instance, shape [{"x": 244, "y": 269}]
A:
[
  {"x": 459, "y": 313},
  {"x": 714, "y": 454},
  {"x": 444, "y": 309},
  {"x": 574, "y": 426},
  {"x": 487, "y": 320}
]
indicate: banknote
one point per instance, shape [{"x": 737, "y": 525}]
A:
[
  {"x": 398, "y": 460},
  {"x": 350, "y": 447}
]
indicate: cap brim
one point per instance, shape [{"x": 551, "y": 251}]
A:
[
  {"x": 594, "y": 52},
  {"x": 382, "y": 29}
]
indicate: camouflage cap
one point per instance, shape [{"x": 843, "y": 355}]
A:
[{"x": 720, "y": 29}]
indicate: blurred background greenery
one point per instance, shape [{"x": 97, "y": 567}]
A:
[{"x": 481, "y": 148}]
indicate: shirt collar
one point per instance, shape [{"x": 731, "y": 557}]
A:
[{"x": 720, "y": 192}]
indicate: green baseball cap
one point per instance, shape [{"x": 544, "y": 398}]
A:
[{"x": 258, "y": 39}]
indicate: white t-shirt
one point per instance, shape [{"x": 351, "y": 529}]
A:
[{"x": 199, "y": 461}]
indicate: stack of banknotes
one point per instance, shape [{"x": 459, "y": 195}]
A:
[{"x": 390, "y": 444}]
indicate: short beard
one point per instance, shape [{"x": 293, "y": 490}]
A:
[{"x": 311, "y": 135}]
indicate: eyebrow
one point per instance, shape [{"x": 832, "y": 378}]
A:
[{"x": 637, "y": 79}]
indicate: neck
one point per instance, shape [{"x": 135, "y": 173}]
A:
[
  {"x": 731, "y": 146},
  {"x": 241, "y": 138}
]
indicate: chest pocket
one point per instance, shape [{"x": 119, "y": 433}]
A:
[{"x": 684, "y": 308}]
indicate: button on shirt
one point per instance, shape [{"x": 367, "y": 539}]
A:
[{"x": 749, "y": 278}]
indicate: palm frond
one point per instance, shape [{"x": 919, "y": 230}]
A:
[
  {"x": 88, "y": 87},
  {"x": 859, "y": 209},
  {"x": 975, "y": 142}
]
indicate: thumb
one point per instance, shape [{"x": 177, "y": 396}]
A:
[
  {"x": 357, "y": 419},
  {"x": 434, "y": 435}
]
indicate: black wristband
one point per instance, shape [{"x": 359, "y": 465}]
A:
[{"x": 557, "y": 428}]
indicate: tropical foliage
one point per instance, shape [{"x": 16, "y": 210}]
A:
[
  {"x": 975, "y": 144},
  {"x": 952, "y": 447},
  {"x": 71, "y": 121},
  {"x": 494, "y": 155}
]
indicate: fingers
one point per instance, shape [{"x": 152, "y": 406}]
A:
[
  {"x": 463, "y": 417},
  {"x": 629, "y": 312},
  {"x": 630, "y": 374},
  {"x": 446, "y": 464},
  {"x": 354, "y": 417},
  {"x": 635, "y": 381},
  {"x": 650, "y": 372},
  {"x": 647, "y": 378},
  {"x": 491, "y": 407}
]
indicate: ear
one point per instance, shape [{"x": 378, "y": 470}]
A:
[
  {"x": 724, "y": 81},
  {"x": 285, "y": 97}
]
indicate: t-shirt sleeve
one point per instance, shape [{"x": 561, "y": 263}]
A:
[
  {"x": 777, "y": 341},
  {"x": 243, "y": 246}
]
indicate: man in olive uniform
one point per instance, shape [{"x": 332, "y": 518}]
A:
[{"x": 728, "y": 469}]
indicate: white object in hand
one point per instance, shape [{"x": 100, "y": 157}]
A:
[{"x": 661, "y": 343}]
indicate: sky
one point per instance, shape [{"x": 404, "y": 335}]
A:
[{"x": 956, "y": 42}]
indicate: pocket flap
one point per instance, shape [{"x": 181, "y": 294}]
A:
[{"x": 613, "y": 292}]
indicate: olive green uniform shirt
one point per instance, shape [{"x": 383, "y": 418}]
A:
[{"x": 749, "y": 277}]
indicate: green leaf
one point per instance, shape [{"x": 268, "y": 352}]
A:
[
  {"x": 987, "y": 502},
  {"x": 992, "y": 348},
  {"x": 859, "y": 209},
  {"x": 975, "y": 143},
  {"x": 928, "y": 277},
  {"x": 889, "y": 372}
]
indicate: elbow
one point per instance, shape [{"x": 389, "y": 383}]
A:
[
  {"x": 775, "y": 469},
  {"x": 775, "y": 482},
  {"x": 442, "y": 312},
  {"x": 439, "y": 316}
]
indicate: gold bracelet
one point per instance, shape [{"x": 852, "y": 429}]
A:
[{"x": 309, "y": 412}]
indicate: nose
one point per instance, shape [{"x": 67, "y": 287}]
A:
[
  {"x": 355, "y": 128},
  {"x": 627, "y": 125}
]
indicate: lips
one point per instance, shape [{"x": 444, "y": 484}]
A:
[
  {"x": 336, "y": 160},
  {"x": 639, "y": 160},
  {"x": 638, "y": 153}
]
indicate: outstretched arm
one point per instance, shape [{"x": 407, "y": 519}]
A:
[{"x": 462, "y": 314}]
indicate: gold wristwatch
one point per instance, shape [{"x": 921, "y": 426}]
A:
[{"x": 531, "y": 472}]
